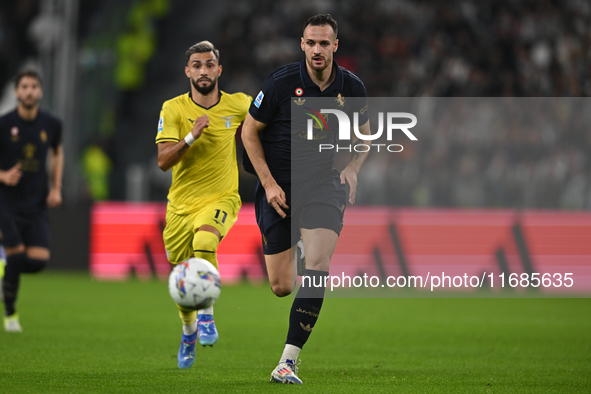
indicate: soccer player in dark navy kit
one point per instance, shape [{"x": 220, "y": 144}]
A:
[
  {"x": 27, "y": 136},
  {"x": 321, "y": 197}
]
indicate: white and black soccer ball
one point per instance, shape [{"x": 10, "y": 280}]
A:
[{"x": 194, "y": 284}]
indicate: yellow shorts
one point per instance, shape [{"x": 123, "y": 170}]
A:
[{"x": 180, "y": 228}]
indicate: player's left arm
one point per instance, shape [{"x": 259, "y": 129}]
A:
[
  {"x": 349, "y": 174},
  {"x": 56, "y": 170}
]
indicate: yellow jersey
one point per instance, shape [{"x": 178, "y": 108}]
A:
[{"x": 208, "y": 172}]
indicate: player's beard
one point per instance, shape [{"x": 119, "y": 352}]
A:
[
  {"x": 327, "y": 62},
  {"x": 205, "y": 90},
  {"x": 28, "y": 103}
]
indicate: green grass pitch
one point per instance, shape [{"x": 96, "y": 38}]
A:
[{"x": 86, "y": 336}]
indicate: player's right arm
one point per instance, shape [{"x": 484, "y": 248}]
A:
[
  {"x": 12, "y": 176},
  {"x": 170, "y": 153},
  {"x": 254, "y": 149}
]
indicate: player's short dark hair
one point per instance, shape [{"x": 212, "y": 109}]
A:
[
  {"x": 203, "y": 47},
  {"x": 26, "y": 73},
  {"x": 321, "y": 20}
]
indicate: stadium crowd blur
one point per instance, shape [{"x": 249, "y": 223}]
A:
[
  {"x": 468, "y": 48},
  {"x": 450, "y": 49},
  {"x": 15, "y": 44}
]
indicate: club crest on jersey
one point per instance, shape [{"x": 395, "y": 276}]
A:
[
  {"x": 259, "y": 99},
  {"x": 29, "y": 151},
  {"x": 14, "y": 133},
  {"x": 161, "y": 125},
  {"x": 228, "y": 120},
  {"x": 340, "y": 100},
  {"x": 43, "y": 136},
  {"x": 299, "y": 92}
]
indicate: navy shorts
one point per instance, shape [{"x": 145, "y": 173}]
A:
[
  {"x": 312, "y": 204},
  {"x": 28, "y": 230}
]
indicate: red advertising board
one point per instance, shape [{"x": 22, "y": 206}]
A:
[{"x": 127, "y": 237}]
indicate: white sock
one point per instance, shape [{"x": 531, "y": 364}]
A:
[
  {"x": 206, "y": 311},
  {"x": 290, "y": 352},
  {"x": 188, "y": 330}
]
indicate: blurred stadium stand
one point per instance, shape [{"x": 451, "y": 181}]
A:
[
  {"x": 403, "y": 49},
  {"x": 15, "y": 44},
  {"x": 399, "y": 48}
]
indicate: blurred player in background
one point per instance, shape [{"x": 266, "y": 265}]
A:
[
  {"x": 196, "y": 138},
  {"x": 320, "y": 189},
  {"x": 2, "y": 262},
  {"x": 27, "y": 136}
]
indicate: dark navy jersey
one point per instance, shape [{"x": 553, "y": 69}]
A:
[
  {"x": 27, "y": 143},
  {"x": 273, "y": 106}
]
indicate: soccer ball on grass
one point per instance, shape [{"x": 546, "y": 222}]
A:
[{"x": 194, "y": 284}]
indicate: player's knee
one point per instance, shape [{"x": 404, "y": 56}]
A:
[
  {"x": 38, "y": 253},
  {"x": 22, "y": 263},
  {"x": 281, "y": 289},
  {"x": 32, "y": 266},
  {"x": 15, "y": 250},
  {"x": 318, "y": 263},
  {"x": 205, "y": 245}
]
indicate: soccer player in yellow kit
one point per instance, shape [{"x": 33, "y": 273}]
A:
[{"x": 196, "y": 138}]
